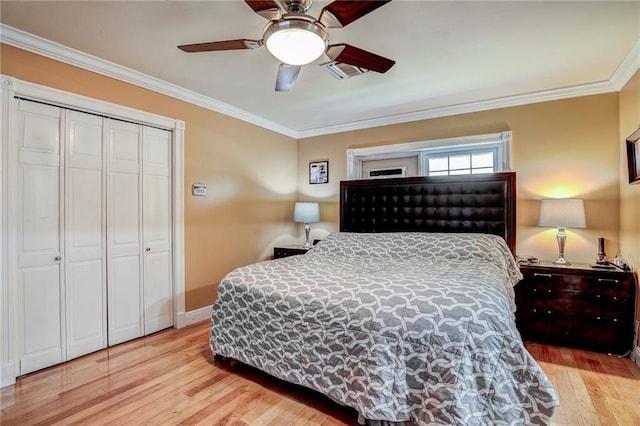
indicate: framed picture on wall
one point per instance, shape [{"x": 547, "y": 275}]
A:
[
  {"x": 633, "y": 156},
  {"x": 319, "y": 172}
]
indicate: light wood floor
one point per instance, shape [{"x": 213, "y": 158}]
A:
[{"x": 170, "y": 378}]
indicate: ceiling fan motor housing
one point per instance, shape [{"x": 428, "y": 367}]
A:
[{"x": 296, "y": 6}]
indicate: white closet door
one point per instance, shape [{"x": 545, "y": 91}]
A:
[
  {"x": 40, "y": 295},
  {"x": 86, "y": 299},
  {"x": 158, "y": 307},
  {"x": 124, "y": 232}
]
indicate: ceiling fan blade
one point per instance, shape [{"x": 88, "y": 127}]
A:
[
  {"x": 268, "y": 9},
  {"x": 341, "y": 13},
  {"x": 348, "y": 54},
  {"x": 221, "y": 45},
  {"x": 287, "y": 76}
]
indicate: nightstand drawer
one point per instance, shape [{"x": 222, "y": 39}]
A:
[
  {"x": 286, "y": 251},
  {"x": 600, "y": 333},
  {"x": 603, "y": 285},
  {"x": 559, "y": 300}
]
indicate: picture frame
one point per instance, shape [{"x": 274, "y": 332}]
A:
[
  {"x": 633, "y": 157},
  {"x": 319, "y": 172}
]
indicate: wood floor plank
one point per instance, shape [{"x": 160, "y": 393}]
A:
[{"x": 170, "y": 378}]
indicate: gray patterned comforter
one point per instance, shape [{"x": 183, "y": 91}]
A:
[{"x": 403, "y": 327}]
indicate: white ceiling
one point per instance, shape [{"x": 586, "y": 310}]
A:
[{"x": 450, "y": 55}]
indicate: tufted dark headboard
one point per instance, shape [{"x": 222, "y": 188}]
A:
[{"x": 472, "y": 203}]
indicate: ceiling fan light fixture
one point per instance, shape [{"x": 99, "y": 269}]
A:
[{"x": 295, "y": 41}]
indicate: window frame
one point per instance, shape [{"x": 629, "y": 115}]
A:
[{"x": 499, "y": 143}]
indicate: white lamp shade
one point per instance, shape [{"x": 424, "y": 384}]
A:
[
  {"x": 562, "y": 213},
  {"x": 306, "y": 212}
]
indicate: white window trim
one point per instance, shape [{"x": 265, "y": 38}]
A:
[
  {"x": 355, "y": 156},
  {"x": 12, "y": 87}
]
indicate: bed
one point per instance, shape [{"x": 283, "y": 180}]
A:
[{"x": 405, "y": 315}]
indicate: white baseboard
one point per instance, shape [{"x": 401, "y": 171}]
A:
[
  {"x": 198, "y": 315},
  {"x": 635, "y": 355},
  {"x": 181, "y": 320},
  {"x": 7, "y": 375}
]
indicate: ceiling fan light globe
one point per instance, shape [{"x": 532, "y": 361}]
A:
[{"x": 295, "y": 42}]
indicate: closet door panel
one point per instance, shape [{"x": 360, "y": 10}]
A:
[
  {"x": 124, "y": 209},
  {"x": 39, "y": 242},
  {"x": 157, "y": 292},
  {"x": 125, "y": 300},
  {"x": 85, "y": 141},
  {"x": 39, "y": 239},
  {"x": 39, "y": 129},
  {"x": 84, "y": 237},
  {"x": 158, "y": 302},
  {"x": 84, "y": 214},
  {"x": 86, "y": 308},
  {"x": 41, "y": 328},
  {"x": 157, "y": 213},
  {"x": 124, "y": 233},
  {"x": 124, "y": 147}
]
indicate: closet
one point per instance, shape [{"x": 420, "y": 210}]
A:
[{"x": 93, "y": 215}]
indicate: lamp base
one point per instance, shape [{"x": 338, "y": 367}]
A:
[
  {"x": 562, "y": 238},
  {"x": 561, "y": 261},
  {"x": 307, "y": 228}
]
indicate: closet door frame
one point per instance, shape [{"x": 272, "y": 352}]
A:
[{"x": 12, "y": 88}]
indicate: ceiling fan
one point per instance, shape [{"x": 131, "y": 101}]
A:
[{"x": 297, "y": 39}]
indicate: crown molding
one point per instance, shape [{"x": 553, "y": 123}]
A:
[
  {"x": 56, "y": 51},
  {"x": 504, "y": 102},
  {"x": 50, "y": 49},
  {"x": 627, "y": 68}
]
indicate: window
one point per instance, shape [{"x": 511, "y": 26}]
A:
[
  {"x": 474, "y": 159},
  {"x": 453, "y": 156}
]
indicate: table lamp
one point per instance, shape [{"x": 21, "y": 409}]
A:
[
  {"x": 562, "y": 213},
  {"x": 307, "y": 213}
]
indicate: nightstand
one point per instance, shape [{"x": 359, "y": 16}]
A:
[
  {"x": 286, "y": 251},
  {"x": 577, "y": 306}
]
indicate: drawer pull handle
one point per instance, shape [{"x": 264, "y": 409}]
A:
[
  {"x": 607, "y": 280},
  {"x": 536, "y": 274}
]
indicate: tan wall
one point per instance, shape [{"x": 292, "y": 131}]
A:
[
  {"x": 629, "y": 194},
  {"x": 567, "y": 148},
  {"x": 250, "y": 173}
]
